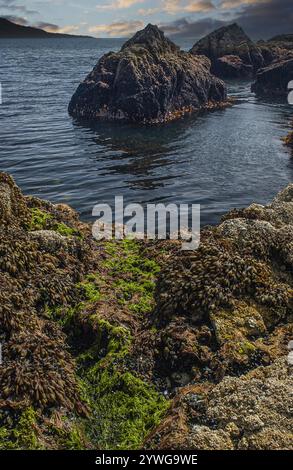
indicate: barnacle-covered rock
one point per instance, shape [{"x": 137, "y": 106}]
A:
[
  {"x": 39, "y": 269},
  {"x": 247, "y": 412},
  {"x": 218, "y": 308}
]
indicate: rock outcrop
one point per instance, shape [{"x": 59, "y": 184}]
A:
[
  {"x": 150, "y": 80},
  {"x": 222, "y": 312},
  {"x": 230, "y": 41},
  {"x": 274, "y": 79}
]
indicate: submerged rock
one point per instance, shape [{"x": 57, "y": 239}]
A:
[
  {"x": 229, "y": 41},
  {"x": 273, "y": 80},
  {"x": 149, "y": 80}
]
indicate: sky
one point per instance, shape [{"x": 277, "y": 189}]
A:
[{"x": 181, "y": 18}]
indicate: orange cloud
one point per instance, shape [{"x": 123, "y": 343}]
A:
[
  {"x": 118, "y": 29},
  {"x": 118, "y": 5},
  {"x": 195, "y": 6}
]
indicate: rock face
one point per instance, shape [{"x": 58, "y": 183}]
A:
[
  {"x": 229, "y": 41},
  {"x": 273, "y": 80},
  {"x": 149, "y": 80},
  {"x": 231, "y": 66}
]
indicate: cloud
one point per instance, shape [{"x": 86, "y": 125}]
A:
[
  {"x": 69, "y": 29},
  {"x": 16, "y": 19},
  {"x": 266, "y": 19},
  {"x": 195, "y": 6},
  {"x": 238, "y": 3},
  {"x": 259, "y": 19},
  {"x": 9, "y": 5},
  {"x": 167, "y": 6},
  {"x": 54, "y": 28},
  {"x": 117, "y": 29},
  {"x": 49, "y": 27},
  {"x": 184, "y": 27},
  {"x": 148, "y": 11},
  {"x": 118, "y": 5}
]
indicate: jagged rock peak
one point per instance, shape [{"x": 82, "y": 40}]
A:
[
  {"x": 231, "y": 32},
  {"x": 151, "y": 37},
  {"x": 229, "y": 40}
]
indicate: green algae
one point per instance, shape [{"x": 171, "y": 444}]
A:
[
  {"x": 64, "y": 230},
  {"x": 246, "y": 348},
  {"x": 23, "y": 435},
  {"x": 41, "y": 220},
  {"x": 135, "y": 273},
  {"x": 89, "y": 289},
  {"x": 124, "y": 408}
]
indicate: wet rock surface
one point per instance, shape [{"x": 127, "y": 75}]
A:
[{"x": 150, "y": 80}]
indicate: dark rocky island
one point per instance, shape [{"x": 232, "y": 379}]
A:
[
  {"x": 8, "y": 29},
  {"x": 274, "y": 79},
  {"x": 133, "y": 344},
  {"x": 149, "y": 81},
  {"x": 232, "y": 53}
]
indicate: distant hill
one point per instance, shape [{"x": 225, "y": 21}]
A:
[{"x": 12, "y": 30}]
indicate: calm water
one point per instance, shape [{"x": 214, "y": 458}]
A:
[{"x": 221, "y": 160}]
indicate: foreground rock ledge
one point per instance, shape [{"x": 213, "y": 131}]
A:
[
  {"x": 125, "y": 344},
  {"x": 149, "y": 81}
]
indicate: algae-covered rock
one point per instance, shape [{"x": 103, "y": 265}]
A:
[
  {"x": 149, "y": 80},
  {"x": 129, "y": 344},
  {"x": 68, "y": 310}
]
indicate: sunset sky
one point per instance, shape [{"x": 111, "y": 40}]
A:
[{"x": 121, "y": 18}]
